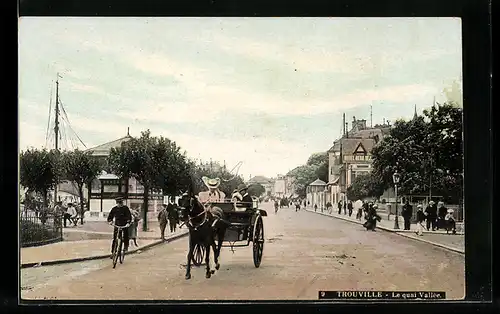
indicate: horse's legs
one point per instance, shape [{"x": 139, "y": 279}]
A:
[
  {"x": 207, "y": 260},
  {"x": 189, "y": 257}
]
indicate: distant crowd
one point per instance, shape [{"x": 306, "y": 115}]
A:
[{"x": 435, "y": 216}]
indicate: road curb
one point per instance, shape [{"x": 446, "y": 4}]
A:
[
  {"x": 396, "y": 232},
  {"x": 90, "y": 258},
  {"x": 433, "y": 243}
]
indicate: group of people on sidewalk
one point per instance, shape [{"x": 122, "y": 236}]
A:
[
  {"x": 436, "y": 217},
  {"x": 169, "y": 215}
]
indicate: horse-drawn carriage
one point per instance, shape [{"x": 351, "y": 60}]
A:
[{"x": 244, "y": 225}]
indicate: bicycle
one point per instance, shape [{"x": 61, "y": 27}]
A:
[{"x": 117, "y": 252}]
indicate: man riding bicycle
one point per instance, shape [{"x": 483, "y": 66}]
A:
[{"x": 121, "y": 214}]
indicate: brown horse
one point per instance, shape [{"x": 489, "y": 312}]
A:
[{"x": 203, "y": 228}]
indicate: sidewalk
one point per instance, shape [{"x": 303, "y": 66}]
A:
[
  {"x": 438, "y": 238},
  {"x": 71, "y": 251},
  {"x": 97, "y": 230}
]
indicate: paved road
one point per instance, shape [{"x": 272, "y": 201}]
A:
[{"x": 304, "y": 253}]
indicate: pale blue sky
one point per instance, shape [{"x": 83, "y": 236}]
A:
[{"x": 265, "y": 91}]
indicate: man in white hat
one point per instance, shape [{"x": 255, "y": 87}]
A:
[{"x": 213, "y": 195}]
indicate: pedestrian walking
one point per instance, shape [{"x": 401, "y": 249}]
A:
[
  {"x": 349, "y": 208},
  {"x": 345, "y": 207},
  {"x": 359, "y": 214},
  {"x": 132, "y": 229},
  {"x": 172, "y": 215},
  {"x": 431, "y": 213},
  {"x": 407, "y": 213},
  {"x": 163, "y": 220},
  {"x": 339, "y": 206},
  {"x": 371, "y": 218},
  {"x": 329, "y": 207},
  {"x": 59, "y": 214},
  {"x": 420, "y": 220},
  {"x": 315, "y": 207},
  {"x": 441, "y": 219}
]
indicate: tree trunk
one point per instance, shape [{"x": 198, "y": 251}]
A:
[
  {"x": 145, "y": 211},
  {"x": 43, "y": 210},
  {"x": 82, "y": 211}
]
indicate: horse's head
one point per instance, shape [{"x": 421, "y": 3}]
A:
[{"x": 190, "y": 207}]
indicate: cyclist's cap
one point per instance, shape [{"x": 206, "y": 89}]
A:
[{"x": 119, "y": 198}]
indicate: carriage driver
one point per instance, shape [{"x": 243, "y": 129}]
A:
[{"x": 213, "y": 195}]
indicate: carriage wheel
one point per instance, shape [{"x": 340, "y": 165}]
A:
[
  {"x": 198, "y": 254},
  {"x": 258, "y": 241}
]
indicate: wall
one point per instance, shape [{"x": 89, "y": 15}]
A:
[{"x": 279, "y": 187}]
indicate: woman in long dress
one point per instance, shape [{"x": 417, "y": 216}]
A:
[{"x": 132, "y": 230}]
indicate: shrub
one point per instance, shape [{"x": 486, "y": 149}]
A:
[{"x": 31, "y": 232}]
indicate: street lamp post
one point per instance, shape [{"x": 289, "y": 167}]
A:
[{"x": 395, "y": 179}]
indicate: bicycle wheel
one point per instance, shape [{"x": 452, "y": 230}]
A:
[
  {"x": 115, "y": 254},
  {"x": 120, "y": 251}
]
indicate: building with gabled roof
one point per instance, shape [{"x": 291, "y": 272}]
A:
[
  {"x": 104, "y": 149},
  {"x": 315, "y": 193},
  {"x": 107, "y": 186},
  {"x": 350, "y": 156}
]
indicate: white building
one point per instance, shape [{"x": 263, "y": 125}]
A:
[
  {"x": 280, "y": 186},
  {"x": 105, "y": 188},
  {"x": 316, "y": 194}
]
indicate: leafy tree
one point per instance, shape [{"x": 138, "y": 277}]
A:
[
  {"x": 39, "y": 171},
  {"x": 320, "y": 161},
  {"x": 427, "y": 152},
  {"x": 171, "y": 166},
  {"x": 445, "y": 147},
  {"x": 138, "y": 158},
  {"x": 364, "y": 186},
  {"x": 256, "y": 189},
  {"x": 401, "y": 150},
  {"x": 304, "y": 175},
  {"x": 80, "y": 168},
  {"x": 317, "y": 158}
]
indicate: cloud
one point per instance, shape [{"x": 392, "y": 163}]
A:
[{"x": 299, "y": 56}]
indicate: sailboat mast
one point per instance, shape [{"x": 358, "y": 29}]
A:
[{"x": 56, "y": 127}]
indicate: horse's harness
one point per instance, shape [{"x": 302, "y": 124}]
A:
[{"x": 189, "y": 218}]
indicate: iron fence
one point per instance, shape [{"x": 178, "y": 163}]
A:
[{"x": 39, "y": 227}]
